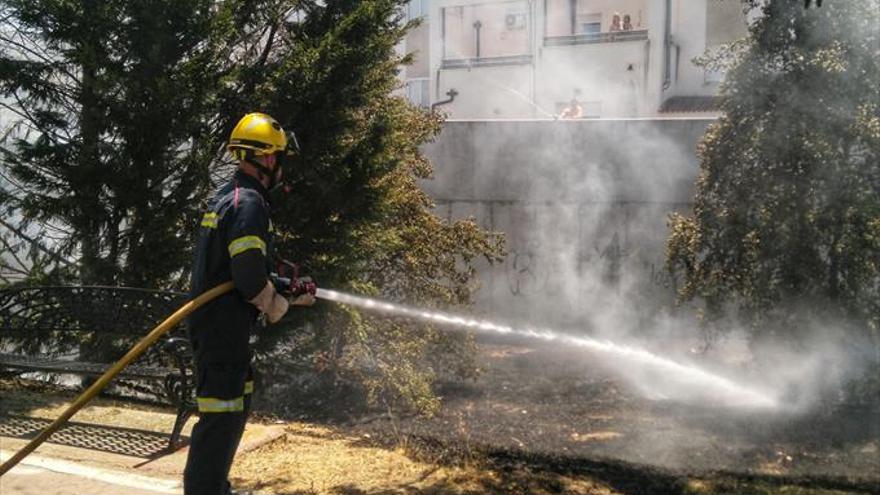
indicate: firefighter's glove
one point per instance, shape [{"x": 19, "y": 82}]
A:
[
  {"x": 271, "y": 303},
  {"x": 293, "y": 287},
  {"x": 303, "y": 291},
  {"x": 303, "y": 285}
]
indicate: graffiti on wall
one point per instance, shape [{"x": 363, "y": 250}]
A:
[
  {"x": 603, "y": 251},
  {"x": 526, "y": 273}
]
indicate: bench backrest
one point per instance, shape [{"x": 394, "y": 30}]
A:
[{"x": 83, "y": 320}]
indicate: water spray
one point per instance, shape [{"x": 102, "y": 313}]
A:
[
  {"x": 724, "y": 391},
  {"x": 721, "y": 390}
]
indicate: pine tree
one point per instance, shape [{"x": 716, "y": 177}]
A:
[
  {"x": 110, "y": 101},
  {"x": 124, "y": 106},
  {"x": 355, "y": 216}
]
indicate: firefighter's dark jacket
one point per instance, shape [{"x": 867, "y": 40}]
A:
[{"x": 235, "y": 243}]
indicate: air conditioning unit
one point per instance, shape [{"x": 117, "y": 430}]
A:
[{"x": 515, "y": 21}]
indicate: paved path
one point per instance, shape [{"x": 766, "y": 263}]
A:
[{"x": 38, "y": 475}]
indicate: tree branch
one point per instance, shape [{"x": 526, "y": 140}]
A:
[{"x": 55, "y": 256}]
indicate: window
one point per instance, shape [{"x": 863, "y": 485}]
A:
[
  {"x": 418, "y": 93},
  {"x": 590, "y": 23},
  {"x": 417, "y": 9}
]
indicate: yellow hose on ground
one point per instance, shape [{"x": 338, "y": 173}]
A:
[{"x": 102, "y": 382}]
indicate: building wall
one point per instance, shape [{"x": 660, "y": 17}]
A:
[
  {"x": 654, "y": 93},
  {"x": 504, "y": 92},
  {"x": 725, "y": 22},
  {"x": 607, "y": 8},
  {"x": 497, "y": 38},
  {"x": 417, "y": 44},
  {"x": 558, "y": 18},
  {"x": 611, "y": 76},
  {"x": 414, "y": 77},
  {"x": 610, "y": 71},
  {"x": 689, "y": 41},
  {"x": 583, "y": 206}
]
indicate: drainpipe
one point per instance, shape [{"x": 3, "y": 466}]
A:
[
  {"x": 452, "y": 93},
  {"x": 443, "y": 47},
  {"x": 477, "y": 26},
  {"x": 534, "y": 48},
  {"x": 667, "y": 43}
]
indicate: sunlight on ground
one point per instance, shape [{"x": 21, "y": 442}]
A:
[
  {"x": 312, "y": 459},
  {"x": 99, "y": 411}
]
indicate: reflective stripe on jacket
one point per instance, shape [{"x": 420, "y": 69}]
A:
[{"x": 236, "y": 224}]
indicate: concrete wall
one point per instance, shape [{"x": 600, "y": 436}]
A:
[{"x": 583, "y": 205}]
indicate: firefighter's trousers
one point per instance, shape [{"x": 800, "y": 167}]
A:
[{"x": 223, "y": 394}]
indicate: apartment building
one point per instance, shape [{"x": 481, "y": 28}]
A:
[{"x": 519, "y": 59}]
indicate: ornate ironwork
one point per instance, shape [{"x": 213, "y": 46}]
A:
[
  {"x": 121, "y": 310},
  {"x": 118, "y": 440},
  {"x": 84, "y": 330},
  {"x": 72, "y": 322}
]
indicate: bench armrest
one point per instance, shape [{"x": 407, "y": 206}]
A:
[
  {"x": 181, "y": 352},
  {"x": 177, "y": 346}
]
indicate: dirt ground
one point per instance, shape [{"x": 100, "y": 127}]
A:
[
  {"x": 547, "y": 402},
  {"x": 537, "y": 421},
  {"x": 543, "y": 420}
]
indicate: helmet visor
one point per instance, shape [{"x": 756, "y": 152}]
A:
[
  {"x": 284, "y": 158},
  {"x": 292, "y": 144}
]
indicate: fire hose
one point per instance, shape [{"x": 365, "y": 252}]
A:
[{"x": 105, "y": 379}]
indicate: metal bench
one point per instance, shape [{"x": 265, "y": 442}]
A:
[{"x": 84, "y": 330}]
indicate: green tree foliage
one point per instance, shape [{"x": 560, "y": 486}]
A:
[
  {"x": 355, "y": 216},
  {"x": 786, "y": 221},
  {"x": 110, "y": 100},
  {"x": 124, "y": 106}
]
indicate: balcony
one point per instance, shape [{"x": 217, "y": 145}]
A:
[
  {"x": 468, "y": 63},
  {"x": 594, "y": 38}
]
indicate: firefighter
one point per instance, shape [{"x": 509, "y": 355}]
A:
[{"x": 235, "y": 243}]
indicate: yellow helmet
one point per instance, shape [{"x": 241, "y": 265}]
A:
[{"x": 258, "y": 133}]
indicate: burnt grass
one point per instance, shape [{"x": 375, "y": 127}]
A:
[{"x": 537, "y": 413}]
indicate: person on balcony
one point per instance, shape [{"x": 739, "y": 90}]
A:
[
  {"x": 627, "y": 23},
  {"x": 615, "y": 22}
]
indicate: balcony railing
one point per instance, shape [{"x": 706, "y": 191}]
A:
[
  {"x": 591, "y": 38},
  {"x": 465, "y": 63}
]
